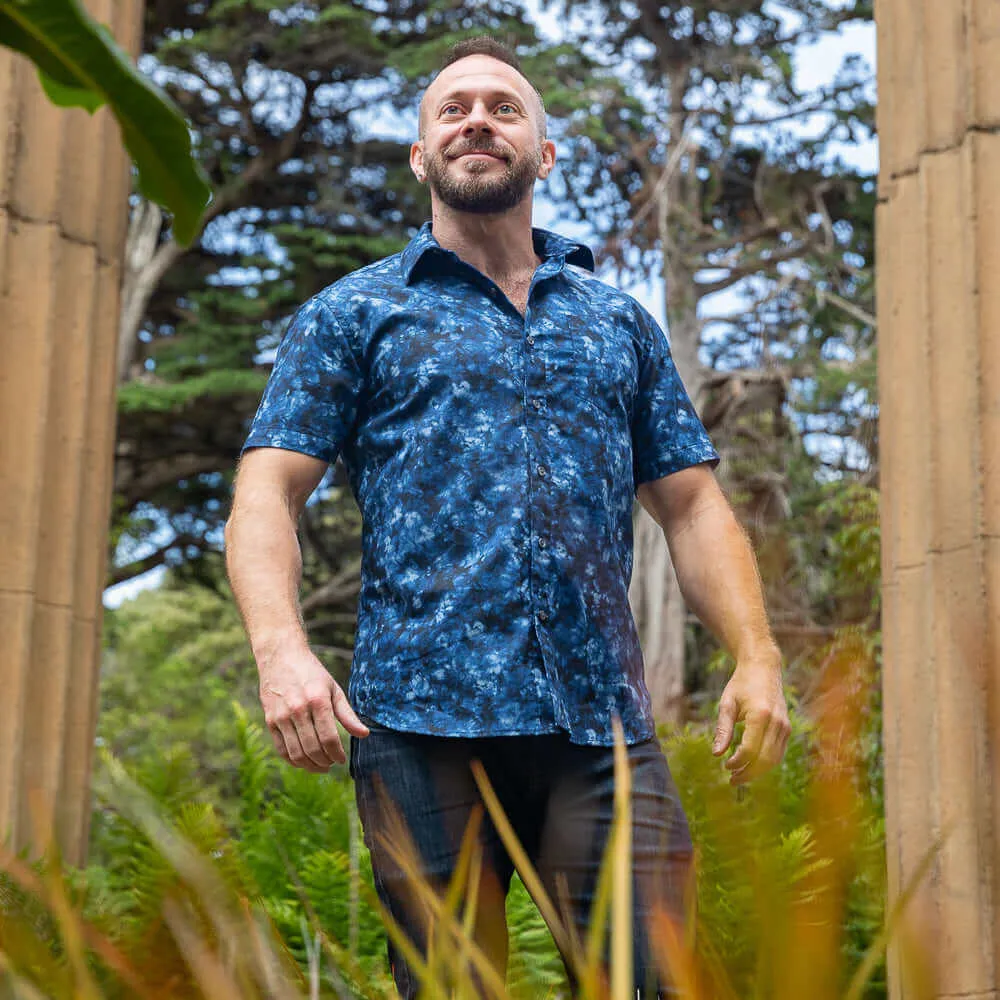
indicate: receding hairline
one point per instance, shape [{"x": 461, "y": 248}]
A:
[{"x": 536, "y": 96}]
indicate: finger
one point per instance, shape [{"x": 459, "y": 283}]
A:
[
  {"x": 749, "y": 748},
  {"x": 309, "y": 739},
  {"x": 777, "y": 739},
  {"x": 726, "y": 725},
  {"x": 279, "y": 742},
  {"x": 296, "y": 755},
  {"x": 347, "y": 716},
  {"x": 326, "y": 729},
  {"x": 771, "y": 751},
  {"x": 755, "y": 767}
]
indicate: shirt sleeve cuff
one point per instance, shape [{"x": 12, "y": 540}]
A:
[
  {"x": 674, "y": 461},
  {"x": 307, "y": 444}
]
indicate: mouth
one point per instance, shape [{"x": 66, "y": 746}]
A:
[{"x": 479, "y": 153}]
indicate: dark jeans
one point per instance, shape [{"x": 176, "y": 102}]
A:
[{"x": 559, "y": 798}]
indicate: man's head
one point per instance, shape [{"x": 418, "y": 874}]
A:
[{"x": 481, "y": 102}]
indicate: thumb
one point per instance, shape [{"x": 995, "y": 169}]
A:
[
  {"x": 724, "y": 728},
  {"x": 347, "y": 716}
]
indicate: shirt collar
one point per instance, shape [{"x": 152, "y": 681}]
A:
[{"x": 547, "y": 244}]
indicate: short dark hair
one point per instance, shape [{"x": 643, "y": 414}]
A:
[{"x": 488, "y": 45}]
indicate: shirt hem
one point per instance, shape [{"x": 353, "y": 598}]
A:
[
  {"x": 538, "y": 729},
  {"x": 677, "y": 461}
]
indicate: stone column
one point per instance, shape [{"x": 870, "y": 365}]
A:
[
  {"x": 64, "y": 182},
  {"x": 939, "y": 383}
]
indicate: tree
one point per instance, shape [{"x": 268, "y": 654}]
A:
[
  {"x": 716, "y": 187},
  {"x": 282, "y": 99},
  {"x": 673, "y": 131}
]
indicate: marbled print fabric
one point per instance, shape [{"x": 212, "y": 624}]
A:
[{"x": 495, "y": 459}]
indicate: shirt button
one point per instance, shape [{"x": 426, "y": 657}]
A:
[
  {"x": 537, "y": 404},
  {"x": 542, "y": 543},
  {"x": 542, "y": 472},
  {"x": 531, "y": 341},
  {"x": 543, "y": 615}
]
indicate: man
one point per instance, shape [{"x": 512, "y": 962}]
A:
[{"x": 498, "y": 409}]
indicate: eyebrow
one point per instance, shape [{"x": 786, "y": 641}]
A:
[{"x": 509, "y": 95}]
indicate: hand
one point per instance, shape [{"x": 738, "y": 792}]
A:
[
  {"x": 753, "y": 695},
  {"x": 302, "y": 704}
]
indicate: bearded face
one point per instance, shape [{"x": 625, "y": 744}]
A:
[{"x": 481, "y": 177}]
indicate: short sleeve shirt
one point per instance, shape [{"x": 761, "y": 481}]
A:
[{"x": 495, "y": 459}]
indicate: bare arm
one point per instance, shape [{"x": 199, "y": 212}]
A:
[
  {"x": 301, "y": 700},
  {"x": 718, "y": 577}
]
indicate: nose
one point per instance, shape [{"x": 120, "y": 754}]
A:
[{"x": 478, "y": 119}]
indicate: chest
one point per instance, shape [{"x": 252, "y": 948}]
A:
[
  {"x": 516, "y": 289},
  {"x": 445, "y": 351}
]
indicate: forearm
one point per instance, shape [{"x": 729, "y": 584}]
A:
[
  {"x": 264, "y": 563},
  {"x": 718, "y": 577}
]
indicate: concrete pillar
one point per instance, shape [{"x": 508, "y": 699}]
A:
[
  {"x": 939, "y": 383},
  {"x": 64, "y": 181}
]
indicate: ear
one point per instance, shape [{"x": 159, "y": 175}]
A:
[
  {"x": 548, "y": 159},
  {"x": 417, "y": 161}
]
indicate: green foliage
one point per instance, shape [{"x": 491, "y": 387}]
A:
[
  {"x": 295, "y": 836},
  {"x": 80, "y": 65},
  {"x": 164, "y": 397},
  {"x": 856, "y": 541},
  {"x": 757, "y": 855},
  {"x": 174, "y": 660},
  {"x": 534, "y": 967}
]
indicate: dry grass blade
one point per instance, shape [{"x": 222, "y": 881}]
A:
[
  {"x": 524, "y": 867},
  {"x": 444, "y": 920},
  {"x": 622, "y": 971},
  {"x": 11, "y": 979},
  {"x": 99, "y": 943},
  {"x": 268, "y": 956},
  {"x": 84, "y": 987},
  {"x": 409, "y": 951},
  {"x": 592, "y": 981},
  {"x": 895, "y": 917},
  {"x": 214, "y": 979},
  {"x": 675, "y": 958}
]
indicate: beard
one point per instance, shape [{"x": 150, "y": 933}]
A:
[{"x": 479, "y": 187}]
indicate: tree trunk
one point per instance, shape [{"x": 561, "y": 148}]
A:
[
  {"x": 659, "y": 615},
  {"x": 654, "y": 592},
  {"x": 146, "y": 261}
]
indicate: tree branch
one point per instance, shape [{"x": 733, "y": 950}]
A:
[
  {"x": 119, "y": 574},
  {"x": 340, "y": 587},
  {"x": 758, "y": 267}
]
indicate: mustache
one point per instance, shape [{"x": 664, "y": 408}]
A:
[{"x": 491, "y": 150}]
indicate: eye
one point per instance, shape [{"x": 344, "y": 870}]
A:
[
  {"x": 507, "y": 105},
  {"x": 448, "y": 108}
]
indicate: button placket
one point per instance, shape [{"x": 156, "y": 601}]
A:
[{"x": 541, "y": 471}]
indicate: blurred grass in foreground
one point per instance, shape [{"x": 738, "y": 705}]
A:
[{"x": 790, "y": 893}]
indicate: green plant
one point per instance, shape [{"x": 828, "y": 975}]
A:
[{"x": 80, "y": 65}]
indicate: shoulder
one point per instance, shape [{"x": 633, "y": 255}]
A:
[
  {"x": 612, "y": 303},
  {"x": 346, "y": 299},
  {"x": 599, "y": 290}
]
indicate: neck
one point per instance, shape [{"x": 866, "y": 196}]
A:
[{"x": 498, "y": 245}]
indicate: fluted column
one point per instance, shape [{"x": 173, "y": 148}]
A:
[
  {"x": 938, "y": 238},
  {"x": 64, "y": 181}
]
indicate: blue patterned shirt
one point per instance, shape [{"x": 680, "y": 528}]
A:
[{"x": 495, "y": 459}]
